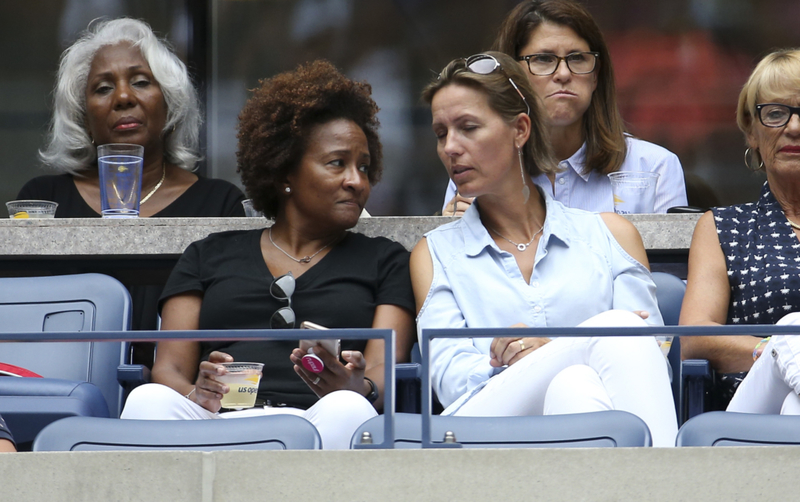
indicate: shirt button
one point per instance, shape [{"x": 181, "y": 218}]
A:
[
  {"x": 561, "y": 181},
  {"x": 535, "y": 284},
  {"x": 537, "y": 309}
]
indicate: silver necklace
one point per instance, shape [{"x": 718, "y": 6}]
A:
[
  {"x": 520, "y": 247},
  {"x": 158, "y": 185},
  {"x": 305, "y": 259}
]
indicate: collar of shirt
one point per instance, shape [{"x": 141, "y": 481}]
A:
[
  {"x": 577, "y": 162},
  {"x": 477, "y": 237}
]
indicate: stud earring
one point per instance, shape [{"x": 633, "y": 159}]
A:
[{"x": 288, "y": 189}]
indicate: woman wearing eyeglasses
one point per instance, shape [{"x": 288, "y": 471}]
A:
[
  {"x": 520, "y": 258},
  {"x": 308, "y": 155},
  {"x": 566, "y": 59},
  {"x": 744, "y": 261}
]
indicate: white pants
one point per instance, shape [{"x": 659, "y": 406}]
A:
[
  {"x": 576, "y": 375},
  {"x": 336, "y": 416},
  {"x": 773, "y": 383}
]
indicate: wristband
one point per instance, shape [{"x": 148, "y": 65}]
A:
[
  {"x": 756, "y": 353},
  {"x": 373, "y": 393}
]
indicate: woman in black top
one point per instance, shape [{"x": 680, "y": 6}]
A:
[
  {"x": 308, "y": 155},
  {"x": 120, "y": 84}
]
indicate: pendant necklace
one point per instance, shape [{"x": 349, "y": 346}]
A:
[
  {"x": 305, "y": 259},
  {"x": 520, "y": 247}
]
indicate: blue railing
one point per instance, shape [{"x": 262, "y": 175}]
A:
[
  {"x": 387, "y": 335},
  {"x": 760, "y": 330}
]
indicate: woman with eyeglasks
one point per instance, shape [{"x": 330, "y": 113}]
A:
[
  {"x": 566, "y": 59},
  {"x": 308, "y": 155},
  {"x": 744, "y": 261},
  {"x": 519, "y": 258}
]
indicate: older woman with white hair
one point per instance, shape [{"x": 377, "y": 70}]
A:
[{"x": 119, "y": 83}]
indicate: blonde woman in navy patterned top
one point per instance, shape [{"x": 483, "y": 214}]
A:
[{"x": 744, "y": 262}]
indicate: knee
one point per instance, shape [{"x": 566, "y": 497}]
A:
[
  {"x": 148, "y": 399},
  {"x": 346, "y": 404},
  {"x": 614, "y": 318},
  {"x": 789, "y": 319}
]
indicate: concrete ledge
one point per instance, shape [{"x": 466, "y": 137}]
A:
[
  {"x": 652, "y": 474},
  {"x": 170, "y": 236}
]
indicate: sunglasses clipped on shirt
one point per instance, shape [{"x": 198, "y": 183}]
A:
[
  {"x": 282, "y": 288},
  {"x": 485, "y": 64}
]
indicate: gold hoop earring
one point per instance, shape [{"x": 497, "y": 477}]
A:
[{"x": 748, "y": 161}]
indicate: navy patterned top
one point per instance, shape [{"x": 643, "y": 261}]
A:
[{"x": 762, "y": 254}]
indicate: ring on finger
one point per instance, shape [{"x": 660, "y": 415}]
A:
[
  {"x": 316, "y": 381},
  {"x": 521, "y": 345}
]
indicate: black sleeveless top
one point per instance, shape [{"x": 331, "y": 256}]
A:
[{"x": 762, "y": 254}]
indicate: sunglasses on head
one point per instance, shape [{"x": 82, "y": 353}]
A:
[
  {"x": 485, "y": 64},
  {"x": 282, "y": 288}
]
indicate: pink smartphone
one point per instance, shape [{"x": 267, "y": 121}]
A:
[{"x": 310, "y": 361}]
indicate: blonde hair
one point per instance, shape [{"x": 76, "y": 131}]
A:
[{"x": 774, "y": 77}]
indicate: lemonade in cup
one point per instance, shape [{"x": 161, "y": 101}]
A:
[{"x": 242, "y": 380}]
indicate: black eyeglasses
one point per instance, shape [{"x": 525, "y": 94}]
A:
[
  {"x": 282, "y": 288},
  {"x": 776, "y": 114},
  {"x": 579, "y": 63},
  {"x": 484, "y": 64}
]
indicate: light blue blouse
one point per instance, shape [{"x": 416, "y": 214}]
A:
[
  {"x": 580, "y": 270},
  {"x": 592, "y": 191}
]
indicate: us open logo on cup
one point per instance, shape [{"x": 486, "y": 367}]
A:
[{"x": 634, "y": 192}]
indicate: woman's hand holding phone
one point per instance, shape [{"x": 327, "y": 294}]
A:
[{"x": 332, "y": 374}]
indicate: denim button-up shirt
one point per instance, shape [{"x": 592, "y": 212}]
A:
[{"x": 580, "y": 270}]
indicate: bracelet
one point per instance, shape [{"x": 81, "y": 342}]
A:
[
  {"x": 756, "y": 353},
  {"x": 189, "y": 395},
  {"x": 373, "y": 393}
]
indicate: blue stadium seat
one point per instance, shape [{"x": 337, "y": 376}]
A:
[
  {"x": 275, "y": 432},
  {"x": 83, "y": 302},
  {"x": 723, "y": 428},
  {"x": 580, "y": 430}
]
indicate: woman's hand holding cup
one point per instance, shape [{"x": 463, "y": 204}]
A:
[{"x": 208, "y": 390}]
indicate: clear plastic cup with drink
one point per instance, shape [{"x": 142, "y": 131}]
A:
[
  {"x": 634, "y": 191},
  {"x": 120, "y": 169},
  {"x": 242, "y": 380}
]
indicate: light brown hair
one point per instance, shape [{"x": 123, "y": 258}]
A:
[{"x": 504, "y": 100}]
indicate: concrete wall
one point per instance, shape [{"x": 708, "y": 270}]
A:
[{"x": 641, "y": 474}]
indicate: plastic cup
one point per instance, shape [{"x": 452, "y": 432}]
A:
[
  {"x": 249, "y": 211},
  {"x": 120, "y": 167},
  {"x": 634, "y": 192},
  {"x": 23, "y": 209},
  {"x": 242, "y": 380}
]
